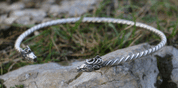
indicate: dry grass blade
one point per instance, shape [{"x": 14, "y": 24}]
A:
[
  {"x": 128, "y": 27},
  {"x": 133, "y": 42},
  {"x": 11, "y": 66},
  {"x": 54, "y": 44}
]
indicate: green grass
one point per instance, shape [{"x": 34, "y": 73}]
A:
[
  {"x": 18, "y": 86},
  {"x": 85, "y": 40}
]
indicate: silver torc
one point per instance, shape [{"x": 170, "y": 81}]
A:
[
  {"x": 28, "y": 54},
  {"x": 94, "y": 63},
  {"x": 91, "y": 64}
]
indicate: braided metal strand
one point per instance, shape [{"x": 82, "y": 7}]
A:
[{"x": 112, "y": 62}]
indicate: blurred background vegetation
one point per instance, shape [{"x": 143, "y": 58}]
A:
[{"x": 67, "y": 42}]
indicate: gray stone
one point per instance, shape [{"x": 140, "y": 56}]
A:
[
  {"x": 36, "y": 15},
  {"x": 47, "y": 4},
  {"x": 73, "y": 8},
  {"x": 16, "y": 6},
  {"x": 49, "y": 1},
  {"x": 46, "y": 7},
  {"x": 46, "y": 20},
  {"x": 2, "y": 18},
  {"x": 10, "y": 20},
  {"x": 4, "y": 26},
  {"x": 173, "y": 53},
  {"x": 32, "y": 85},
  {"x": 23, "y": 20},
  {"x": 5, "y": 8},
  {"x": 81, "y": 6},
  {"x": 28, "y": 75},
  {"x": 19, "y": 12},
  {"x": 140, "y": 73},
  {"x": 56, "y": 9},
  {"x": 5, "y": 23}
]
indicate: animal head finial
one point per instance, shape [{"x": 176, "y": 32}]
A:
[
  {"x": 28, "y": 54},
  {"x": 91, "y": 64}
]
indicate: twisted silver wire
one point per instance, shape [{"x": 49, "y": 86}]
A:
[{"x": 112, "y": 62}]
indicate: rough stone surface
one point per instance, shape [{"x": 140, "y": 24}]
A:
[
  {"x": 4, "y": 7},
  {"x": 4, "y": 24},
  {"x": 174, "y": 75},
  {"x": 10, "y": 20},
  {"x": 23, "y": 20},
  {"x": 171, "y": 54},
  {"x": 37, "y": 15},
  {"x": 140, "y": 73},
  {"x": 25, "y": 11},
  {"x": 73, "y": 8},
  {"x": 2, "y": 18},
  {"x": 15, "y": 6}
]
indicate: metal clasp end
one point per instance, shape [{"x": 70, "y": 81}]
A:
[
  {"x": 91, "y": 64},
  {"x": 28, "y": 54}
]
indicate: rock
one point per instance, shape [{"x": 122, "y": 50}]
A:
[
  {"x": 16, "y": 6},
  {"x": 5, "y": 8},
  {"x": 81, "y": 6},
  {"x": 47, "y": 4},
  {"x": 2, "y": 18},
  {"x": 36, "y": 15},
  {"x": 23, "y": 20},
  {"x": 140, "y": 73},
  {"x": 47, "y": 19},
  {"x": 174, "y": 75},
  {"x": 4, "y": 26},
  {"x": 49, "y": 1},
  {"x": 45, "y": 7},
  {"x": 32, "y": 3},
  {"x": 20, "y": 13},
  {"x": 167, "y": 60},
  {"x": 55, "y": 10},
  {"x": 36, "y": 33},
  {"x": 10, "y": 20},
  {"x": 5, "y": 22},
  {"x": 73, "y": 8},
  {"x": 32, "y": 85}
]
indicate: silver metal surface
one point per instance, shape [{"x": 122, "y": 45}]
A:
[
  {"x": 95, "y": 63},
  {"x": 91, "y": 64},
  {"x": 28, "y": 54}
]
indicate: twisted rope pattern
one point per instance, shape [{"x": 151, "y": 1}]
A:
[{"x": 112, "y": 62}]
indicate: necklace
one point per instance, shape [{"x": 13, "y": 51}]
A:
[{"x": 96, "y": 62}]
